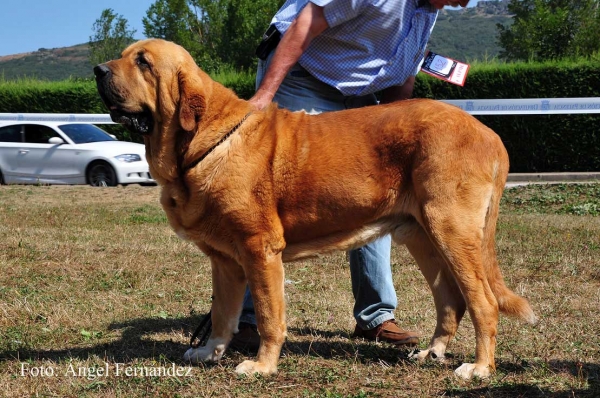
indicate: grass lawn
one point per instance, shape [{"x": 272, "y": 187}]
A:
[{"x": 93, "y": 283}]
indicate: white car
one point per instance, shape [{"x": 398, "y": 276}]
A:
[{"x": 68, "y": 153}]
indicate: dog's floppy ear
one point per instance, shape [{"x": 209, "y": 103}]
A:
[{"x": 191, "y": 101}]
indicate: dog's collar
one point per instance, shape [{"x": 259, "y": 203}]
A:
[{"x": 222, "y": 140}]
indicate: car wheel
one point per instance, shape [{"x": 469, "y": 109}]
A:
[
  {"x": 101, "y": 174},
  {"x": 1, "y": 178}
]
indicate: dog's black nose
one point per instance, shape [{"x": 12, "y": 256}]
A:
[{"x": 101, "y": 70}]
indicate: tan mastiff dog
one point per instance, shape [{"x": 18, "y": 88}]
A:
[{"x": 253, "y": 189}]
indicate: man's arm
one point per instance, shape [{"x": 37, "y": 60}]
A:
[{"x": 308, "y": 25}]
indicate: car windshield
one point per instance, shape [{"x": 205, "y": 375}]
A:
[{"x": 84, "y": 133}]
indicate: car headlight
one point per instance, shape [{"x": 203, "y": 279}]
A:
[{"x": 129, "y": 157}]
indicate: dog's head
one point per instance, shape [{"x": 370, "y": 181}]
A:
[{"x": 152, "y": 84}]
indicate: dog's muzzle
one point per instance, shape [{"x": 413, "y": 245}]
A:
[{"x": 136, "y": 122}]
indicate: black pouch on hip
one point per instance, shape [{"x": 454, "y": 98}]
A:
[{"x": 270, "y": 40}]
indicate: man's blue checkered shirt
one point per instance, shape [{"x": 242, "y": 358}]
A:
[{"x": 369, "y": 45}]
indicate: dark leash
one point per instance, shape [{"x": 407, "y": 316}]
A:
[
  {"x": 222, "y": 140},
  {"x": 203, "y": 330}
]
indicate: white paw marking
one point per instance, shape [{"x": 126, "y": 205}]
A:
[
  {"x": 252, "y": 367},
  {"x": 419, "y": 355},
  {"x": 208, "y": 353},
  {"x": 423, "y": 355},
  {"x": 470, "y": 370}
]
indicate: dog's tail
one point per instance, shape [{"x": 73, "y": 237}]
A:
[{"x": 509, "y": 303}]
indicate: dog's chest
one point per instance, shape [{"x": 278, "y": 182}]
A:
[{"x": 184, "y": 211}]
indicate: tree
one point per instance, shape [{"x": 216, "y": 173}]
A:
[
  {"x": 176, "y": 21},
  {"x": 216, "y": 32},
  {"x": 241, "y": 29},
  {"x": 589, "y": 29},
  {"x": 111, "y": 35},
  {"x": 551, "y": 29}
]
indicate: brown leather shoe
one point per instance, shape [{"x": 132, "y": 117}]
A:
[
  {"x": 247, "y": 339},
  {"x": 390, "y": 332}
]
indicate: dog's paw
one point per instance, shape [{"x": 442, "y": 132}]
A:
[
  {"x": 419, "y": 355},
  {"x": 252, "y": 367},
  {"x": 470, "y": 370},
  {"x": 423, "y": 355},
  {"x": 204, "y": 354}
]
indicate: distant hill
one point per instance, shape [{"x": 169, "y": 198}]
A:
[
  {"x": 48, "y": 64},
  {"x": 470, "y": 33},
  {"x": 464, "y": 34}
]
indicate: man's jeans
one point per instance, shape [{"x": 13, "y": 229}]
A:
[{"x": 372, "y": 284}]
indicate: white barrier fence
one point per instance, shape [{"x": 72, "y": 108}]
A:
[
  {"x": 57, "y": 117},
  {"x": 529, "y": 106},
  {"x": 526, "y": 106}
]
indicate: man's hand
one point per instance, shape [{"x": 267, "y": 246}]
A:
[
  {"x": 439, "y": 4},
  {"x": 260, "y": 100},
  {"x": 398, "y": 93}
]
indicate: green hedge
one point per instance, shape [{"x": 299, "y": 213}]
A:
[
  {"x": 31, "y": 96},
  {"x": 535, "y": 143},
  {"x": 544, "y": 143}
]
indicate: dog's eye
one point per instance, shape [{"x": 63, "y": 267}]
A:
[{"x": 142, "y": 62}]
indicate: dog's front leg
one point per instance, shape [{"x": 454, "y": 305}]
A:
[
  {"x": 266, "y": 279},
  {"x": 228, "y": 288}
]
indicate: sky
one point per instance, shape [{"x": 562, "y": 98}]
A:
[{"x": 28, "y": 25}]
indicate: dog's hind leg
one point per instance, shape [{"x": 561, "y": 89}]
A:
[
  {"x": 456, "y": 231},
  {"x": 266, "y": 280},
  {"x": 449, "y": 302},
  {"x": 229, "y": 284}
]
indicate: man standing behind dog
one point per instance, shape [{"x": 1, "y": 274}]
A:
[{"x": 330, "y": 55}]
